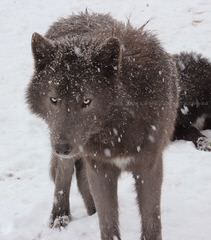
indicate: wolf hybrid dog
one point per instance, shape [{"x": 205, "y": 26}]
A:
[
  {"x": 194, "y": 112},
  {"x": 109, "y": 95}
]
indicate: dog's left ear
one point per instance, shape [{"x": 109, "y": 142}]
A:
[
  {"x": 42, "y": 49},
  {"x": 107, "y": 57}
]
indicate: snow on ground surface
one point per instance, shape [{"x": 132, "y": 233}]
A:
[{"x": 26, "y": 191}]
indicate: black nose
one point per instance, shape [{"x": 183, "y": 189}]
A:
[{"x": 64, "y": 149}]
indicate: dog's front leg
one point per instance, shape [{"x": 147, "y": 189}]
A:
[
  {"x": 148, "y": 183},
  {"x": 61, "y": 171},
  {"x": 83, "y": 186},
  {"x": 103, "y": 183}
]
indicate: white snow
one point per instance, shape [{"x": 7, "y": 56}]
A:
[
  {"x": 26, "y": 192},
  {"x": 78, "y": 51},
  {"x": 184, "y": 110},
  {"x": 153, "y": 128},
  {"x": 115, "y": 131},
  {"x": 138, "y": 148},
  {"x": 122, "y": 162},
  {"x": 107, "y": 152},
  {"x": 151, "y": 138}
]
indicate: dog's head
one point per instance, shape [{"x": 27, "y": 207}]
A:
[{"x": 73, "y": 89}]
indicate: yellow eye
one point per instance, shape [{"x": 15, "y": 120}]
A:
[
  {"x": 54, "y": 100},
  {"x": 86, "y": 102}
]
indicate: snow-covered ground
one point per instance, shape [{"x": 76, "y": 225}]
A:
[{"x": 26, "y": 191}]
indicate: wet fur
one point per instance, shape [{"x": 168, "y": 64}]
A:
[
  {"x": 194, "y": 112},
  {"x": 133, "y": 85}
]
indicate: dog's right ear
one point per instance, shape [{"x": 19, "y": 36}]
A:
[
  {"x": 107, "y": 57},
  {"x": 42, "y": 49}
]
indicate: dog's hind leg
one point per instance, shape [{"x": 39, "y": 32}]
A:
[
  {"x": 190, "y": 133},
  {"x": 61, "y": 171},
  {"x": 83, "y": 186}
]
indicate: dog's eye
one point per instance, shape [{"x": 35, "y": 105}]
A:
[
  {"x": 86, "y": 102},
  {"x": 54, "y": 100}
]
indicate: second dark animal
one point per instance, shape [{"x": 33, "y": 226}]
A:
[{"x": 194, "y": 112}]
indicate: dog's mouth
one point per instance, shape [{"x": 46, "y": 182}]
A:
[
  {"x": 74, "y": 154},
  {"x": 70, "y": 156}
]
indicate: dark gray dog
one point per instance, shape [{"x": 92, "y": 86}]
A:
[
  {"x": 194, "y": 112},
  {"x": 109, "y": 95}
]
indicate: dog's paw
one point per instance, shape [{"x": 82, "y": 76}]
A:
[
  {"x": 203, "y": 144},
  {"x": 59, "y": 222}
]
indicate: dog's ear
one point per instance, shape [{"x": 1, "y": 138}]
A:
[
  {"x": 42, "y": 49},
  {"x": 107, "y": 56}
]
